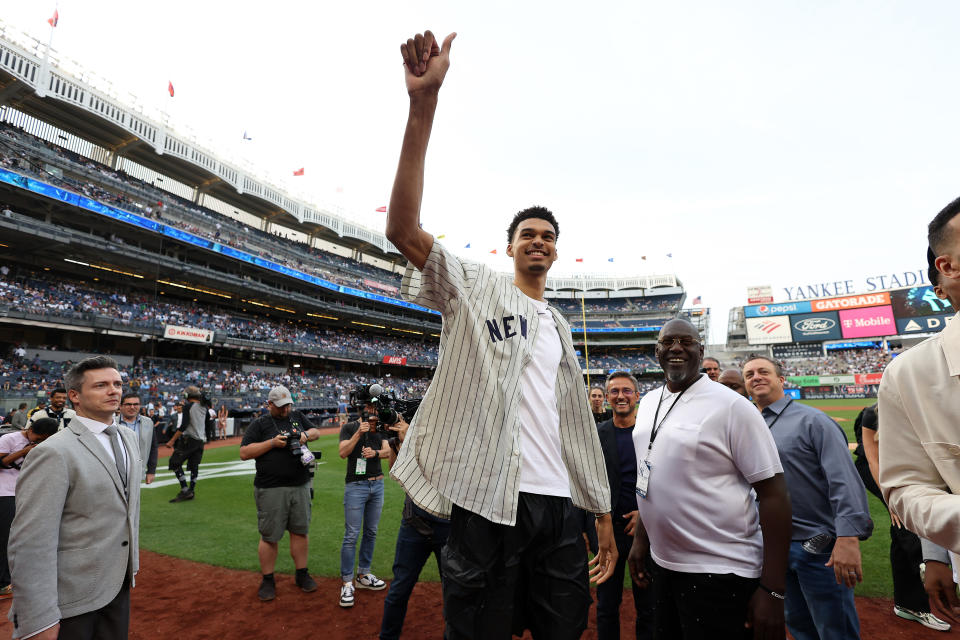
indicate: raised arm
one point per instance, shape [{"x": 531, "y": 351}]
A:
[{"x": 425, "y": 65}]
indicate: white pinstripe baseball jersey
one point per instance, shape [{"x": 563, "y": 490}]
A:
[{"x": 463, "y": 445}]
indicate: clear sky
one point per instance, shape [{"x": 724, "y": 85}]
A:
[{"x": 779, "y": 143}]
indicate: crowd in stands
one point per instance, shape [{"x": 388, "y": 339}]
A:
[
  {"x": 848, "y": 361},
  {"x": 668, "y": 303},
  {"x": 27, "y": 154},
  {"x": 160, "y": 382},
  {"x": 615, "y": 324},
  {"x": 30, "y": 292},
  {"x": 620, "y": 361}
]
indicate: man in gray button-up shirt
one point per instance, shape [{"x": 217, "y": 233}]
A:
[{"x": 830, "y": 512}]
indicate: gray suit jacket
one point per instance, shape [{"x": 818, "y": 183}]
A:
[
  {"x": 75, "y": 535},
  {"x": 148, "y": 446}
]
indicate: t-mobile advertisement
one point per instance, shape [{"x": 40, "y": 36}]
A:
[{"x": 868, "y": 322}]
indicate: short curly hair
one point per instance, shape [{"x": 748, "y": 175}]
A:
[{"x": 541, "y": 213}]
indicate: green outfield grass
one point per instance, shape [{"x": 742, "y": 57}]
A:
[{"x": 219, "y": 527}]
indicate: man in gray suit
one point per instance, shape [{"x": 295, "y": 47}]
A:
[
  {"x": 74, "y": 541},
  {"x": 142, "y": 426}
]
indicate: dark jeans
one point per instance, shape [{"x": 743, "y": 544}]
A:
[
  {"x": 905, "y": 555},
  {"x": 500, "y": 579},
  {"x": 610, "y": 593},
  {"x": 817, "y": 608},
  {"x": 701, "y": 606},
  {"x": 8, "y": 506},
  {"x": 110, "y": 622},
  {"x": 412, "y": 552}
]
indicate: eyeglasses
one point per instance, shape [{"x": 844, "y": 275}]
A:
[
  {"x": 616, "y": 392},
  {"x": 685, "y": 341}
]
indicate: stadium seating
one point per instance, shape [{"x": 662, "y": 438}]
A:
[
  {"x": 63, "y": 298},
  {"x": 29, "y": 155}
]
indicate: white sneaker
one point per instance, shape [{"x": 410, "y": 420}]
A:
[
  {"x": 370, "y": 581},
  {"x": 928, "y": 620},
  {"x": 346, "y": 594}
]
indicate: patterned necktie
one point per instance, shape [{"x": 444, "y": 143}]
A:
[{"x": 111, "y": 431}]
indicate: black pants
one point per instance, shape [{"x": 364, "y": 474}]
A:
[
  {"x": 610, "y": 593},
  {"x": 8, "y": 505},
  {"x": 111, "y": 622},
  {"x": 701, "y": 606},
  {"x": 905, "y": 555},
  {"x": 499, "y": 579},
  {"x": 189, "y": 450}
]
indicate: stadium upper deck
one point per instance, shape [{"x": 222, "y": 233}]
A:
[{"x": 103, "y": 158}]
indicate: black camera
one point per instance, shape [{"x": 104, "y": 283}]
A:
[
  {"x": 293, "y": 440},
  {"x": 390, "y": 408}
]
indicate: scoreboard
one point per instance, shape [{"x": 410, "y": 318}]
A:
[{"x": 873, "y": 315}]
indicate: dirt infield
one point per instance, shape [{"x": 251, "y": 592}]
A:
[{"x": 178, "y": 598}]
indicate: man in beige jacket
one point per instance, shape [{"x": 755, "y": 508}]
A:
[{"x": 920, "y": 411}]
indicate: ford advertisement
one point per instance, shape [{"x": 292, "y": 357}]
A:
[{"x": 816, "y": 327}]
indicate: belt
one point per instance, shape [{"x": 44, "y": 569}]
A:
[{"x": 373, "y": 479}]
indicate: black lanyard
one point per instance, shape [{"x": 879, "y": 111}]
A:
[
  {"x": 770, "y": 426},
  {"x": 656, "y": 427}
]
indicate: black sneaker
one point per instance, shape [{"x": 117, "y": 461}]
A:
[
  {"x": 183, "y": 495},
  {"x": 189, "y": 495},
  {"x": 268, "y": 590},
  {"x": 308, "y": 584}
]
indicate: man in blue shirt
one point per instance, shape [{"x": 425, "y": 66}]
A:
[{"x": 830, "y": 513}]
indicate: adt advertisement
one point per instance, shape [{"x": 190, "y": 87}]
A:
[
  {"x": 917, "y": 302},
  {"x": 816, "y": 327},
  {"x": 928, "y": 324}
]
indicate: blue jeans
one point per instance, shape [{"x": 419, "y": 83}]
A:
[
  {"x": 817, "y": 608},
  {"x": 413, "y": 551},
  {"x": 362, "y": 502}
]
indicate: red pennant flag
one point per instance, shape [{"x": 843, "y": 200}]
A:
[
  {"x": 381, "y": 209},
  {"x": 54, "y": 19},
  {"x": 298, "y": 172},
  {"x": 579, "y": 259},
  {"x": 494, "y": 252},
  {"x": 170, "y": 88}
]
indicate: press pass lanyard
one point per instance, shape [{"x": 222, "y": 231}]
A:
[
  {"x": 656, "y": 427},
  {"x": 770, "y": 426}
]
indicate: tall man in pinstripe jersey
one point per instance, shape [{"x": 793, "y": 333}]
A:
[{"x": 504, "y": 442}]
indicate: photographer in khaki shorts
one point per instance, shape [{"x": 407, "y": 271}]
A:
[{"x": 281, "y": 485}]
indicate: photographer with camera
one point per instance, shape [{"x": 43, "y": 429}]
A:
[
  {"x": 362, "y": 444},
  {"x": 277, "y": 441}
]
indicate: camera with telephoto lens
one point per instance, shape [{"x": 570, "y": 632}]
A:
[{"x": 390, "y": 408}]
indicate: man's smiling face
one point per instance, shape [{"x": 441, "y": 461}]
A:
[{"x": 534, "y": 246}]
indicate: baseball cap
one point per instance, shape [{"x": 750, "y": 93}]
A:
[{"x": 280, "y": 396}]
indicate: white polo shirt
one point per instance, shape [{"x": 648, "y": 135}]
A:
[{"x": 700, "y": 512}]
